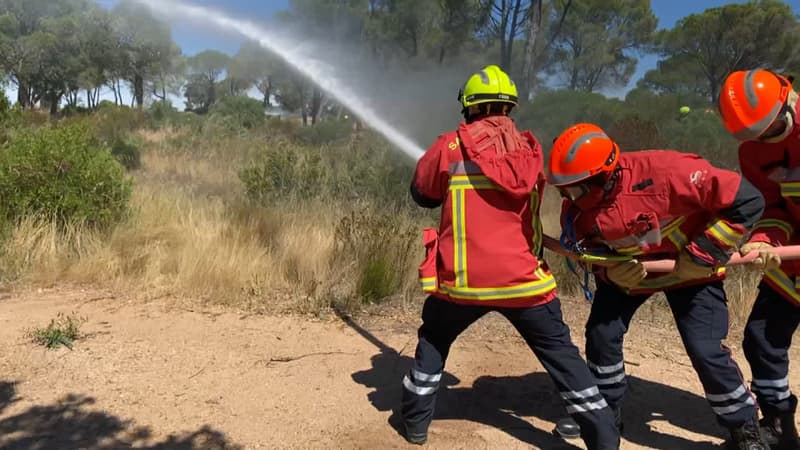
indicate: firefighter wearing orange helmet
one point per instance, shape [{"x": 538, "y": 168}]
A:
[
  {"x": 657, "y": 204},
  {"x": 485, "y": 256},
  {"x": 759, "y": 108}
]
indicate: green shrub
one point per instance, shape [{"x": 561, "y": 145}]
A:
[
  {"x": 112, "y": 123},
  {"x": 239, "y": 111},
  {"x": 107, "y": 104},
  {"x": 365, "y": 169},
  {"x": 552, "y": 112},
  {"x": 322, "y": 133},
  {"x": 75, "y": 110},
  {"x": 162, "y": 113},
  {"x": 288, "y": 172},
  {"x": 127, "y": 153},
  {"x": 280, "y": 127},
  {"x": 636, "y": 133},
  {"x": 370, "y": 168},
  {"x": 5, "y": 107},
  {"x": 63, "y": 173},
  {"x": 35, "y": 118},
  {"x": 10, "y": 118},
  {"x": 702, "y": 132}
]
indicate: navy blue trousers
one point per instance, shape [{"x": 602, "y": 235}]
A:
[
  {"x": 767, "y": 338},
  {"x": 546, "y": 334},
  {"x": 701, "y": 315}
]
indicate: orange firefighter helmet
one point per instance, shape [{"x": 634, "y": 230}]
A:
[
  {"x": 751, "y": 100},
  {"x": 580, "y": 152}
]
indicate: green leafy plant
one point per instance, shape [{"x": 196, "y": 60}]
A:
[
  {"x": 64, "y": 330},
  {"x": 64, "y": 174}
]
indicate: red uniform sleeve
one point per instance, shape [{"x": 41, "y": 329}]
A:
[
  {"x": 776, "y": 226},
  {"x": 431, "y": 174},
  {"x": 737, "y": 205}
]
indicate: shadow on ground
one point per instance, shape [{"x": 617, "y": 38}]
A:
[
  {"x": 504, "y": 402},
  {"x": 70, "y": 424}
]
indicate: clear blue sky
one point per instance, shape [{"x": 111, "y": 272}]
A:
[{"x": 191, "y": 40}]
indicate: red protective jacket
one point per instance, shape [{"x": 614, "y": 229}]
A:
[
  {"x": 487, "y": 177},
  {"x": 661, "y": 202},
  {"x": 775, "y": 170}
]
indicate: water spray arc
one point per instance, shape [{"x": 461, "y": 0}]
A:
[{"x": 316, "y": 71}]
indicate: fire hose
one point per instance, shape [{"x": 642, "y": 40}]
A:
[{"x": 661, "y": 265}]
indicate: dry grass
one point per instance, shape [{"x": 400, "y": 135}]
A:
[
  {"x": 175, "y": 243},
  {"x": 183, "y": 244},
  {"x": 191, "y": 234},
  {"x": 159, "y": 136}
]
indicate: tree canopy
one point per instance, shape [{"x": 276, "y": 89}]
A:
[{"x": 66, "y": 52}]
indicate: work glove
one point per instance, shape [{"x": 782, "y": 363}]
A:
[
  {"x": 766, "y": 260},
  {"x": 626, "y": 274},
  {"x": 686, "y": 268}
]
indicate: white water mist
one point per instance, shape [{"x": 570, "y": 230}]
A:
[{"x": 317, "y": 72}]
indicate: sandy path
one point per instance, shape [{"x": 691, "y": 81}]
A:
[{"x": 160, "y": 376}]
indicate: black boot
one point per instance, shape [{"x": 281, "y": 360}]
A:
[
  {"x": 770, "y": 431},
  {"x": 567, "y": 428},
  {"x": 788, "y": 438},
  {"x": 780, "y": 432},
  {"x": 415, "y": 435},
  {"x": 747, "y": 437},
  {"x": 416, "y": 438}
]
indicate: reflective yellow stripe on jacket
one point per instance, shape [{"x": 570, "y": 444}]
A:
[
  {"x": 536, "y": 223},
  {"x": 784, "y": 284},
  {"x": 671, "y": 231},
  {"x": 786, "y": 227},
  {"x": 790, "y": 189},
  {"x": 543, "y": 285},
  {"x": 725, "y": 234},
  {"x": 428, "y": 284},
  {"x": 459, "y": 185}
]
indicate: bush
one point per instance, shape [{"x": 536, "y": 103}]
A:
[
  {"x": 5, "y": 107},
  {"x": 287, "y": 172},
  {"x": 239, "y": 111},
  {"x": 381, "y": 249},
  {"x": 127, "y": 153},
  {"x": 107, "y": 104},
  {"x": 366, "y": 169},
  {"x": 702, "y": 132},
  {"x": 323, "y": 132},
  {"x": 75, "y": 110},
  {"x": 34, "y": 117},
  {"x": 10, "y": 118},
  {"x": 61, "y": 172},
  {"x": 552, "y": 112},
  {"x": 112, "y": 123},
  {"x": 636, "y": 133},
  {"x": 162, "y": 112}
]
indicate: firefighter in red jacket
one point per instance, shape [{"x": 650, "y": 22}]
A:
[
  {"x": 657, "y": 204},
  {"x": 485, "y": 256},
  {"x": 760, "y": 108}
]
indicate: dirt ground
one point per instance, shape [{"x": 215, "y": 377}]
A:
[{"x": 164, "y": 374}]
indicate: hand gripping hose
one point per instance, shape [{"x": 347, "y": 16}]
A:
[{"x": 789, "y": 252}]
